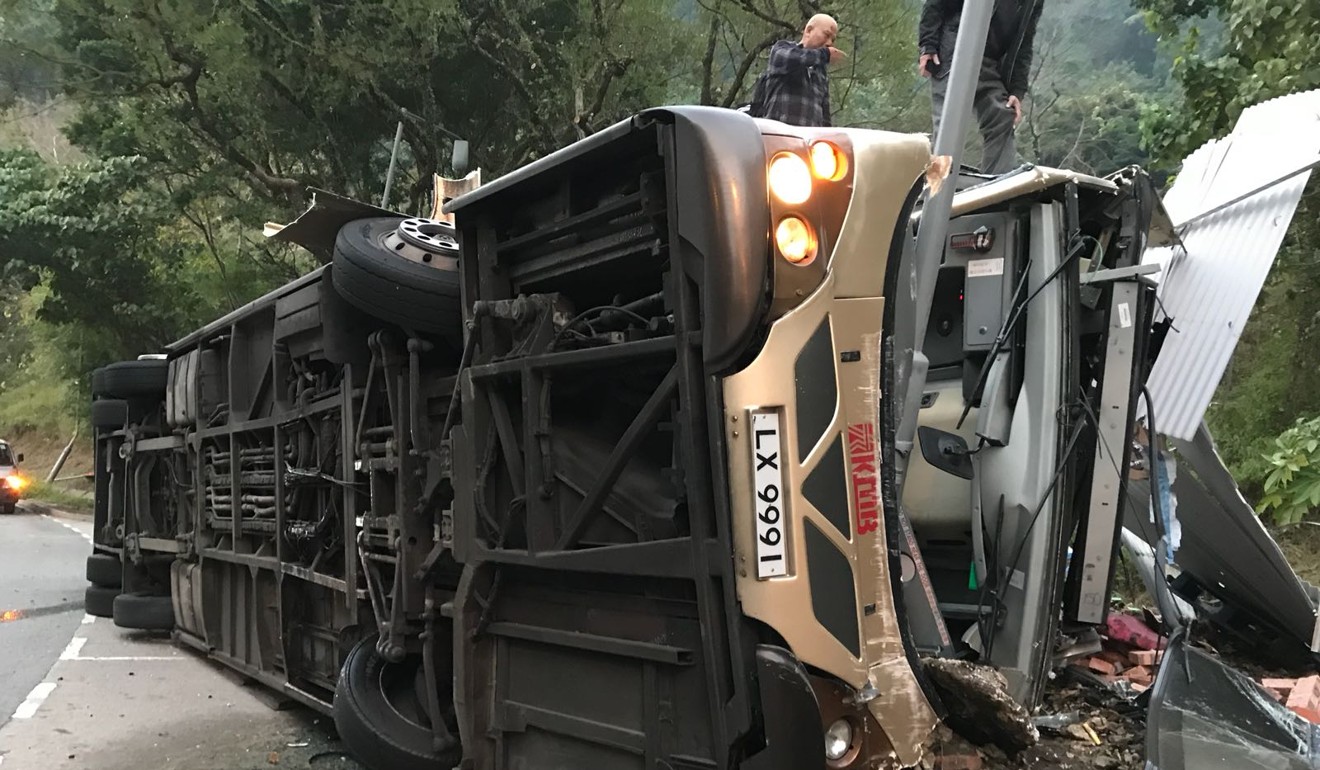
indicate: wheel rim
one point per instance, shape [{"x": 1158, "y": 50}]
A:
[
  {"x": 397, "y": 684},
  {"x": 421, "y": 240}
]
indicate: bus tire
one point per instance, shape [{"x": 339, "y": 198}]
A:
[
  {"x": 378, "y": 717},
  {"x": 109, "y": 413},
  {"x": 144, "y": 612},
  {"x": 394, "y": 288},
  {"x": 132, "y": 379},
  {"x": 99, "y": 601},
  {"x": 105, "y": 570}
]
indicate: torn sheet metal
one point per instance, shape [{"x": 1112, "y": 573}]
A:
[
  {"x": 1143, "y": 557},
  {"x": 316, "y": 228},
  {"x": 1204, "y": 714},
  {"x": 1224, "y": 545},
  {"x": 1212, "y": 281},
  {"x": 1030, "y": 180}
]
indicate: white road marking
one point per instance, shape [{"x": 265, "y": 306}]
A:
[
  {"x": 75, "y": 646},
  {"x": 130, "y": 658},
  {"x": 88, "y": 619},
  {"x": 69, "y": 527},
  {"x": 28, "y": 708}
]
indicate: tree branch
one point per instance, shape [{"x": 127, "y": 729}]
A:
[{"x": 735, "y": 86}]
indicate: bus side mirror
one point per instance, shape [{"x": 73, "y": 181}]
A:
[
  {"x": 946, "y": 451},
  {"x": 20, "y": 457}
]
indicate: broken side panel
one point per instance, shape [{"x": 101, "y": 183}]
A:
[
  {"x": 1121, "y": 380},
  {"x": 1227, "y": 552},
  {"x": 941, "y": 586},
  {"x": 1204, "y": 714},
  {"x": 1019, "y": 486}
]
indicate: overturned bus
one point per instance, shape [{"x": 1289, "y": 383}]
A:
[{"x": 605, "y": 475}]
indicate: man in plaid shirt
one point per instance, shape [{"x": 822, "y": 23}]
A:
[{"x": 796, "y": 84}]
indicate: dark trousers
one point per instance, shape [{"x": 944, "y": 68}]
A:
[{"x": 992, "y": 115}]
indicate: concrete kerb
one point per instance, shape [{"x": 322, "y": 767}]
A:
[{"x": 40, "y": 507}]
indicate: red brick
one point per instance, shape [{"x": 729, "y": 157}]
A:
[
  {"x": 1146, "y": 657},
  {"x": 1278, "y": 688},
  {"x": 1305, "y": 694},
  {"x": 1138, "y": 675},
  {"x": 958, "y": 762},
  {"x": 1310, "y": 715},
  {"x": 1119, "y": 659},
  {"x": 1101, "y": 666}
]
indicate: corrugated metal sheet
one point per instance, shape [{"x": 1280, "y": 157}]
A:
[{"x": 1211, "y": 282}]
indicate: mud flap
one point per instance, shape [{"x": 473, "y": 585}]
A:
[{"x": 794, "y": 737}]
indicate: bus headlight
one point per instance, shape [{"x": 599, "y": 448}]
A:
[
  {"x": 838, "y": 740},
  {"x": 790, "y": 179},
  {"x": 15, "y": 482},
  {"x": 827, "y": 162},
  {"x": 795, "y": 240}
]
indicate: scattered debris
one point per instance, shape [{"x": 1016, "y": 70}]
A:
[
  {"x": 1083, "y": 732},
  {"x": 273, "y": 758},
  {"x": 1300, "y": 696},
  {"x": 1129, "y": 659},
  {"x": 980, "y": 708},
  {"x": 1132, "y": 630},
  {"x": 1076, "y": 645},
  {"x": 1056, "y": 722}
]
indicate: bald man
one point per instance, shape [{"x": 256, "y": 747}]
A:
[{"x": 796, "y": 84}]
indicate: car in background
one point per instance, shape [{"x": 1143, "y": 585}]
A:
[{"x": 12, "y": 482}]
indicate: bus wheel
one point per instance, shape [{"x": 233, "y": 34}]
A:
[
  {"x": 380, "y": 718},
  {"x": 109, "y": 413},
  {"x": 105, "y": 570},
  {"x": 404, "y": 271},
  {"x": 144, "y": 612},
  {"x": 132, "y": 379},
  {"x": 99, "y": 601}
]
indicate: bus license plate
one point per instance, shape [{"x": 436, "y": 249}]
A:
[{"x": 768, "y": 481}]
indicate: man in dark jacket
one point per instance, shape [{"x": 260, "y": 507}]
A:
[
  {"x": 1005, "y": 70},
  {"x": 796, "y": 83}
]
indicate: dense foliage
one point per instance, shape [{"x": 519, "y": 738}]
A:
[{"x": 1292, "y": 487}]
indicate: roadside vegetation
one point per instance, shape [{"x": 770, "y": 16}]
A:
[{"x": 142, "y": 148}]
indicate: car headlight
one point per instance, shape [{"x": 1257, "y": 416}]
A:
[
  {"x": 838, "y": 739},
  {"x": 15, "y": 482},
  {"x": 789, "y": 178}
]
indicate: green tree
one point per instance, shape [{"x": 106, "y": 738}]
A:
[
  {"x": 101, "y": 239},
  {"x": 1232, "y": 54},
  {"x": 1261, "y": 49}
]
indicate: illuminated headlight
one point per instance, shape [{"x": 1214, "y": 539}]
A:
[
  {"x": 15, "y": 482},
  {"x": 795, "y": 240},
  {"x": 827, "y": 162},
  {"x": 838, "y": 740},
  {"x": 790, "y": 179}
]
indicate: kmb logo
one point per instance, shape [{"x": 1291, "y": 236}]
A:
[{"x": 861, "y": 454}]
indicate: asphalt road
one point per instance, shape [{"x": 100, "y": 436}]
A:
[
  {"x": 42, "y": 579},
  {"x": 79, "y": 693}
]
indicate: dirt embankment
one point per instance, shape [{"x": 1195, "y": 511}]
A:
[{"x": 40, "y": 451}]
